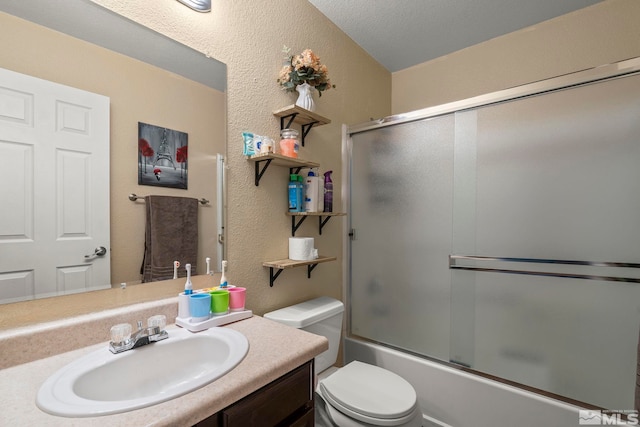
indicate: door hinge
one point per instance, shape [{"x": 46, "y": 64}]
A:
[{"x": 352, "y": 234}]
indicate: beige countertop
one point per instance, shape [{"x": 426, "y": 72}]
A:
[{"x": 274, "y": 350}]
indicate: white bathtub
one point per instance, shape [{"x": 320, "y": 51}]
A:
[{"x": 450, "y": 397}]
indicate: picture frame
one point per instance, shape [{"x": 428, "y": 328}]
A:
[{"x": 162, "y": 156}]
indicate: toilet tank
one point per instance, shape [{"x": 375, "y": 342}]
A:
[{"x": 320, "y": 316}]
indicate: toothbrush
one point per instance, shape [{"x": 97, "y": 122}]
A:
[
  {"x": 176, "y": 264},
  {"x": 223, "y": 278},
  {"x": 208, "y": 260},
  {"x": 188, "y": 288}
]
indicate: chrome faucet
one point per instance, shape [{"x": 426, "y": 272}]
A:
[{"x": 142, "y": 336}]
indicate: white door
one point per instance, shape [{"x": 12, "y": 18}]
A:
[{"x": 54, "y": 189}]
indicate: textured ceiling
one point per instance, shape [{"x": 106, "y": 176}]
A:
[{"x": 403, "y": 33}]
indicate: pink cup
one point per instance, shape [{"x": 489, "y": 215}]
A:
[{"x": 237, "y": 298}]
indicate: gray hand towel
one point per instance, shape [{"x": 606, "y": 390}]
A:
[{"x": 171, "y": 234}]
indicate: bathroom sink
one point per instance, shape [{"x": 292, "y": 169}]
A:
[{"x": 102, "y": 383}]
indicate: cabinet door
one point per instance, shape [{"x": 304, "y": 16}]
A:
[
  {"x": 286, "y": 401},
  {"x": 306, "y": 420}
]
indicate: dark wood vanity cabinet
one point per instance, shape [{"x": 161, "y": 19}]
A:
[{"x": 287, "y": 401}]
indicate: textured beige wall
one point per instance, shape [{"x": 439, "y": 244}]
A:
[
  {"x": 138, "y": 92},
  {"x": 604, "y": 33},
  {"x": 248, "y": 36}
]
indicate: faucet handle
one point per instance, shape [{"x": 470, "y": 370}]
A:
[
  {"x": 159, "y": 320},
  {"x": 120, "y": 333},
  {"x": 139, "y": 324}
]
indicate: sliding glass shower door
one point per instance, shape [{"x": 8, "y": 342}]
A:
[
  {"x": 402, "y": 222},
  {"x": 506, "y": 238}
]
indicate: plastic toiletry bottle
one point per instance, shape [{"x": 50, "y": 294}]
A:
[
  {"x": 293, "y": 193},
  {"x": 188, "y": 287},
  {"x": 311, "y": 192},
  {"x": 328, "y": 192},
  {"x": 223, "y": 278},
  {"x": 300, "y": 193},
  {"x": 320, "y": 192}
]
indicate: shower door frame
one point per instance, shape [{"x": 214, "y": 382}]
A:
[{"x": 585, "y": 77}]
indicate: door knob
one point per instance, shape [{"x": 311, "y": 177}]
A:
[{"x": 100, "y": 251}]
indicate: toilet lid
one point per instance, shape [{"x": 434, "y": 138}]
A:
[{"x": 368, "y": 392}]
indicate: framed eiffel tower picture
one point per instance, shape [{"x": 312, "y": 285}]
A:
[{"x": 162, "y": 156}]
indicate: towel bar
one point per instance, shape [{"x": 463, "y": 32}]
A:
[
  {"x": 453, "y": 266},
  {"x": 133, "y": 197}
]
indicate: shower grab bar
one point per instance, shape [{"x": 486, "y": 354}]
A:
[
  {"x": 453, "y": 266},
  {"x": 133, "y": 197}
]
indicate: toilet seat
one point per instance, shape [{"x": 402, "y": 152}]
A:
[{"x": 370, "y": 394}]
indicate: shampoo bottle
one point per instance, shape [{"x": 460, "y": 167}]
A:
[
  {"x": 300, "y": 194},
  {"x": 328, "y": 192},
  {"x": 311, "y": 192}
]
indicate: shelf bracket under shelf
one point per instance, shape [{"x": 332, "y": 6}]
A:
[
  {"x": 305, "y": 130},
  {"x": 294, "y": 226},
  {"x": 291, "y": 118},
  {"x": 295, "y": 170},
  {"x": 273, "y": 277},
  {"x": 305, "y": 127},
  {"x": 322, "y": 223},
  {"x": 259, "y": 172},
  {"x": 310, "y": 268}
]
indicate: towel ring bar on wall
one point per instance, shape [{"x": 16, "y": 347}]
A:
[
  {"x": 133, "y": 197},
  {"x": 453, "y": 266}
]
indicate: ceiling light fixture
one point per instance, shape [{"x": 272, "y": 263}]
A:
[{"x": 198, "y": 5}]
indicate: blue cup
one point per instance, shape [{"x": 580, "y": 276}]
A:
[{"x": 199, "y": 307}]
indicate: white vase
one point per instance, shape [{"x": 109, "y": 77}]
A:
[{"x": 305, "y": 98}]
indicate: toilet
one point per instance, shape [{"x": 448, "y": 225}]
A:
[{"x": 358, "y": 394}]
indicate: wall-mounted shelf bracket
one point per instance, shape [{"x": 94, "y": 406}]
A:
[
  {"x": 323, "y": 218},
  {"x": 289, "y": 263},
  {"x": 310, "y": 268},
  {"x": 296, "y": 224},
  {"x": 321, "y": 223},
  {"x": 295, "y": 170},
  {"x": 305, "y": 118},
  {"x": 260, "y": 172},
  {"x": 272, "y": 276},
  {"x": 305, "y": 130},
  {"x": 280, "y": 160},
  {"x": 306, "y": 127},
  {"x": 291, "y": 117}
]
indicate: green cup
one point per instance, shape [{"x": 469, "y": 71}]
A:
[{"x": 219, "y": 302}]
